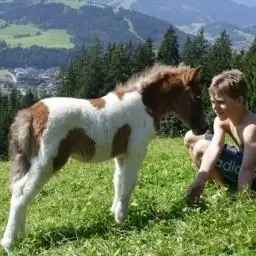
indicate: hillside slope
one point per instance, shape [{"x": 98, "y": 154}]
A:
[
  {"x": 191, "y": 15},
  {"x": 78, "y": 26}
]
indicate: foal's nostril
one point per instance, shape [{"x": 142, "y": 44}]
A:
[
  {"x": 204, "y": 127},
  {"x": 201, "y": 128}
]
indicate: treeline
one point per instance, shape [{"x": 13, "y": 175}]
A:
[
  {"x": 9, "y": 105},
  {"x": 34, "y": 56},
  {"x": 97, "y": 71}
]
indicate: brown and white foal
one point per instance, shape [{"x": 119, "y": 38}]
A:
[{"x": 118, "y": 125}]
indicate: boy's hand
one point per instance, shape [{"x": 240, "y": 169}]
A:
[{"x": 194, "y": 191}]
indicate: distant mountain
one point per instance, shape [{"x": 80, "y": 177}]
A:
[
  {"x": 241, "y": 38},
  {"x": 235, "y": 16},
  {"x": 66, "y": 25},
  {"x": 246, "y": 2},
  {"x": 78, "y": 26},
  {"x": 190, "y": 15},
  {"x": 183, "y": 12},
  {"x": 44, "y": 33}
]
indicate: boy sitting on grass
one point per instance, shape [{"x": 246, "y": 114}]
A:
[{"x": 227, "y": 165}]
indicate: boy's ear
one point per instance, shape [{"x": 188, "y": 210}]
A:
[{"x": 240, "y": 99}]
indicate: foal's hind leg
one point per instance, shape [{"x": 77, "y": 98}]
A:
[
  {"x": 125, "y": 179},
  {"x": 22, "y": 193},
  {"x": 118, "y": 167}
]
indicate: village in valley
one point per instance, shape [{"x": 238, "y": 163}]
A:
[{"x": 43, "y": 81}]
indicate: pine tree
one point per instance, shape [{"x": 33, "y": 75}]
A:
[
  {"x": 236, "y": 60},
  {"x": 194, "y": 51},
  {"x": 248, "y": 66},
  {"x": 116, "y": 66},
  {"x": 220, "y": 55},
  {"x": 217, "y": 59},
  {"x": 9, "y": 105},
  {"x": 143, "y": 56},
  {"x": 68, "y": 81},
  {"x": 13, "y": 102},
  {"x": 90, "y": 78},
  {"x": 187, "y": 55},
  {"x": 4, "y": 121},
  {"x": 28, "y": 99},
  {"x": 150, "y": 54},
  {"x": 169, "y": 48},
  {"x": 169, "y": 54}
]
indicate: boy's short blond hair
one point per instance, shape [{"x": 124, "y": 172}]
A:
[{"x": 231, "y": 83}]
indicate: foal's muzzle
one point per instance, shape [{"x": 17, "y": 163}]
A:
[{"x": 200, "y": 129}]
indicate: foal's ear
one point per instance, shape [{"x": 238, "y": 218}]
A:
[
  {"x": 196, "y": 72},
  {"x": 192, "y": 75}
]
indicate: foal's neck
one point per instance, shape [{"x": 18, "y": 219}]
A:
[{"x": 159, "y": 100}]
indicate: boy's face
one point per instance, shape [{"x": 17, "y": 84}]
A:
[{"x": 224, "y": 106}]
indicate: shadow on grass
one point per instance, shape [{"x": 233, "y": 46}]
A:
[
  {"x": 143, "y": 217},
  {"x": 58, "y": 236},
  {"x": 138, "y": 219}
]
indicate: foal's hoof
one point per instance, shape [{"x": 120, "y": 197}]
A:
[
  {"x": 119, "y": 218},
  {"x": 6, "y": 244},
  {"x": 112, "y": 211},
  {"x": 120, "y": 214}
]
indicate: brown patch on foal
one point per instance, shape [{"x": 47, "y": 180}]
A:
[
  {"x": 122, "y": 90},
  {"x": 39, "y": 112},
  {"x": 121, "y": 140},
  {"x": 98, "y": 103},
  {"x": 76, "y": 143}
]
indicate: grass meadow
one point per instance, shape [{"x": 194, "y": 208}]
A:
[
  {"x": 71, "y": 214},
  {"x": 29, "y": 35},
  {"x": 76, "y": 4}
]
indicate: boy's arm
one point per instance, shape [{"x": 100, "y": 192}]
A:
[
  {"x": 208, "y": 163},
  {"x": 245, "y": 176}
]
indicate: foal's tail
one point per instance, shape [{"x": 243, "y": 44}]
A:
[{"x": 20, "y": 145}]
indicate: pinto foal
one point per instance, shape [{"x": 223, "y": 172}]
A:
[{"x": 118, "y": 125}]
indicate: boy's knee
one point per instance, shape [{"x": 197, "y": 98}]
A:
[
  {"x": 189, "y": 139},
  {"x": 199, "y": 149}
]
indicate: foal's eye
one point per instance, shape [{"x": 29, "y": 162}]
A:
[{"x": 198, "y": 98}]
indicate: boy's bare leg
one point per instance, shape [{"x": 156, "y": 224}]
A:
[
  {"x": 218, "y": 178},
  {"x": 190, "y": 140},
  {"x": 196, "y": 146}
]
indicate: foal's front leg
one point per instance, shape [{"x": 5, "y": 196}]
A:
[{"x": 125, "y": 179}]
